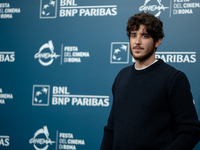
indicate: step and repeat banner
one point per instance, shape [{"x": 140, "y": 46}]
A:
[{"x": 59, "y": 58}]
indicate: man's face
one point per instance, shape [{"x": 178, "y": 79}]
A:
[{"x": 142, "y": 45}]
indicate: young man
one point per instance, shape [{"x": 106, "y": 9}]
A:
[{"x": 152, "y": 104}]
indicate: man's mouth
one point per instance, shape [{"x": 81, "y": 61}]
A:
[{"x": 138, "y": 48}]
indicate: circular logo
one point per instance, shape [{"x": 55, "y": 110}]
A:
[
  {"x": 154, "y": 6},
  {"x": 46, "y": 56},
  {"x": 41, "y": 141}
]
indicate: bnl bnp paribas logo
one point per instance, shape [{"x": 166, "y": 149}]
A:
[
  {"x": 4, "y": 140},
  {"x": 154, "y": 6},
  {"x": 61, "y": 96},
  {"x": 69, "y": 8},
  {"x": 7, "y": 56},
  {"x": 41, "y": 95},
  {"x": 119, "y": 53},
  {"x": 48, "y": 8}
]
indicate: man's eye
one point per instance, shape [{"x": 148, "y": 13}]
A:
[
  {"x": 146, "y": 36},
  {"x": 133, "y": 35}
]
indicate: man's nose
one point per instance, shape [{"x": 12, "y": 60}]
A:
[{"x": 138, "y": 40}]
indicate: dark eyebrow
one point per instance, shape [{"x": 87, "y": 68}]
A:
[{"x": 145, "y": 33}]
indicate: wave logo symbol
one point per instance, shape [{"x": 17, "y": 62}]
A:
[
  {"x": 46, "y": 54},
  {"x": 154, "y": 6},
  {"x": 41, "y": 137}
]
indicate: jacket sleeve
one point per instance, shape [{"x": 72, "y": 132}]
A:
[
  {"x": 186, "y": 119},
  {"x": 107, "y": 142}
]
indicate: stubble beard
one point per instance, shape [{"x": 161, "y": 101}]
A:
[{"x": 144, "y": 56}]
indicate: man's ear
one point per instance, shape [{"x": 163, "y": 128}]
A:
[{"x": 158, "y": 42}]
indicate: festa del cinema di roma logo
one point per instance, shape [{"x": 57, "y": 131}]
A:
[
  {"x": 46, "y": 54},
  {"x": 69, "y": 54},
  {"x": 38, "y": 140},
  {"x": 41, "y": 140},
  {"x": 154, "y": 6}
]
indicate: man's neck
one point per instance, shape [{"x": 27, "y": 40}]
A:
[{"x": 145, "y": 63}]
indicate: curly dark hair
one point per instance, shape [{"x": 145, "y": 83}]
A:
[{"x": 154, "y": 26}]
